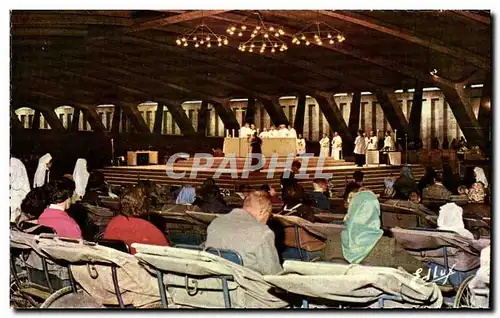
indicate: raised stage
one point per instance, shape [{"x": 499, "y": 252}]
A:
[{"x": 340, "y": 171}]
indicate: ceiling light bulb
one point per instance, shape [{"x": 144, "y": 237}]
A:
[
  {"x": 201, "y": 42},
  {"x": 196, "y": 45},
  {"x": 243, "y": 27},
  {"x": 303, "y": 37},
  {"x": 228, "y": 30},
  {"x": 261, "y": 51},
  {"x": 178, "y": 42},
  {"x": 240, "y": 34},
  {"x": 226, "y": 42},
  {"x": 250, "y": 50},
  {"x": 252, "y": 45},
  {"x": 294, "y": 40},
  {"x": 276, "y": 34},
  {"x": 208, "y": 44},
  {"x": 315, "y": 36},
  {"x": 257, "y": 27},
  {"x": 195, "y": 38},
  {"x": 307, "y": 43},
  {"x": 329, "y": 36},
  {"x": 271, "y": 28},
  {"x": 298, "y": 42},
  {"x": 219, "y": 44},
  {"x": 281, "y": 31},
  {"x": 275, "y": 45},
  {"x": 185, "y": 44},
  {"x": 207, "y": 38},
  {"x": 263, "y": 44},
  {"x": 331, "y": 41},
  {"x": 266, "y": 35},
  {"x": 231, "y": 33},
  {"x": 273, "y": 50},
  {"x": 233, "y": 28},
  {"x": 320, "y": 43},
  {"x": 183, "y": 39},
  {"x": 219, "y": 39}
]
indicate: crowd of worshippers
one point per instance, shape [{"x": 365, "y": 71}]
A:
[{"x": 247, "y": 222}]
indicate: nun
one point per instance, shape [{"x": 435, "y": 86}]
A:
[
  {"x": 42, "y": 174},
  {"x": 81, "y": 177},
  {"x": 19, "y": 187}
]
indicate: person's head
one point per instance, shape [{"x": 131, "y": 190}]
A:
[
  {"x": 324, "y": 135},
  {"x": 272, "y": 127},
  {"x": 134, "y": 202},
  {"x": 252, "y": 126},
  {"x": 364, "y": 134},
  {"x": 388, "y": 133},
  {"x": 244, "y": 189},
  {"x": 34, "y": 203},
  {"x": 187, "y": 195},
  {"x": 360, "y": 132},
  {"x": 371, "y": 133},
  {"x": 49, "y": 164},
  {"x": 255, "y": 135},
  {"x": 438, "y": 177},
  {"x": 462, "y": 190},
  {"x": 97, "y": 182},
  {"x": 60, "y": 192},
  {"x": 247, "y": 125},
  {"x": 406, "y": 172},
  {"x": 336, "y": 133},
  {"x": 296, "y": 166},
  {"x": 414, "y": 197},
  {"x": 258, "y": 204},
  {"x": 300, "y": 136},
  {"x": 269, "y": 189},
  {"x": 358, "y": 176},
  {"x": 320, "y": 185},
  {"x": 294, "y": 195},
  {"x": 264, "y": 129},
  {"x": 476, "y": 193}
]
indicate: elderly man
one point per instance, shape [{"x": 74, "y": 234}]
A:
[{"x": 245, "y": 231}]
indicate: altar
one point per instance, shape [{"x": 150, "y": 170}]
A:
[
  {"x": 280, "y": 146},
  {"x": 142, "y": 158}
]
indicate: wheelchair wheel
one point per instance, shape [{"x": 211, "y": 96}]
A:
[
  {"x": 18, "y": 299},
  {"x": 463, "y": 298},
  {"x": 65, "y": 298}
]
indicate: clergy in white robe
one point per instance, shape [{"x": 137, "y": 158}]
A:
[
  {"x": 42, "y": 174},
  {"x": 360, "y": 149},
  {"x": 372, "y": 142},
  {"x": 272, "y": 132},
  {"x": 291, "y": 132},
  {"x": 245, "y": 131},
  {"x": 19, "y": 187},
  {"x": 389, "y": 142},
  {"x": 324, "y": 146},
  {"x": 336, "y": 146},
  {"x": 81, "y": 177},
  {"x": 282, "y": 132},
  {"x": 253, "y": 129},
  {"x": 301, "y": 145},
  {"x": 264, "y": 133}
]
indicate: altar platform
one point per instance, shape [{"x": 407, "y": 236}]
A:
[{"x": 341, "y": 173}]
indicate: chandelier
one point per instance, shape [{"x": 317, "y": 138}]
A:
[
  {"x": 202, "y": 36},
  {"x": 261, "y": 36},
  {"x": 319, "y": 32}
]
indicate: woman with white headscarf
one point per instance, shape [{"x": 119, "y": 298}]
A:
[
  {"x": 42, "y": 174},
  {"x": 450, "y": 219},
  {"x": 480, "y": 176},
  {"x": 81, "y": 177},
  {"x": 19, "y": 186}
]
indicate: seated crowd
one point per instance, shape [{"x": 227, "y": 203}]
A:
[{"x": 247, "y": 222}]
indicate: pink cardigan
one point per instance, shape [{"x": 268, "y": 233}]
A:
[{"x": 61, "y": 222}]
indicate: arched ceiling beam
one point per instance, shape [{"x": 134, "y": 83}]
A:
[
  {"x": 474, "y": 16},
  {"x": 174, "y": 106},
  {"x": 351, "y": 51},
  {"x": 411, "y": 36},
  {"x": 156, "y": 23}
]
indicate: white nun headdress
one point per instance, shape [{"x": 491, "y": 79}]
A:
[
  {"x": 81, "y": 177},
  {"x": 39, "y": 179},
  {"x": 480, "y": 176},
  {"x": 19, "y": 186},
  {"x": 450, "y": 219}
]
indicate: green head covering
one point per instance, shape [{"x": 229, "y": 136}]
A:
[{"x": 361, "y": 227}]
